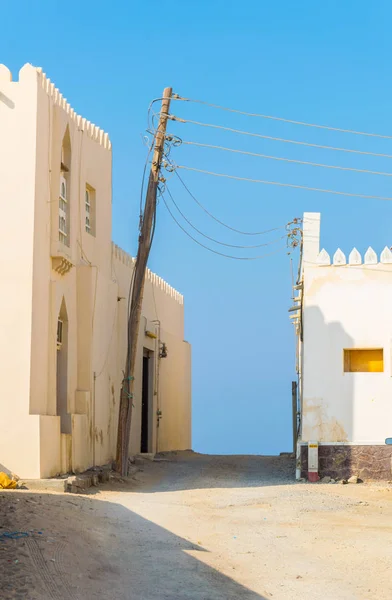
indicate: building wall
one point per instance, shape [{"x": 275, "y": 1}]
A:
[
  {"x": 163, "y": 312},
  {"x": 18, "y": 126},
  {"x": 346, "y": 305},
  {"x": 87, "y": 281}
]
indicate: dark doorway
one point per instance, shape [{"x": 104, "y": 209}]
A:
[
  {"x": 62, "y": 371},
  {"x": 145, "y": 404}
]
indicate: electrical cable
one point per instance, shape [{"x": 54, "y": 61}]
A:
[
  {"x": 277, "y": 139},
  {"x": 149, "y": 110},
  {"x": 217, "y": 241},
  {"x": 143, "y": 178},
  {"x": 290, "y": 160},
  {"x": 221, "y": 222},
  {"x": 133, "y": 301},
  {"x": 290, "y": 185},
  {"x": 215, "y": 251},
  {"x": 273, "y": 118}
]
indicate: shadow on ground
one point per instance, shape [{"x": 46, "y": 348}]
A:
[{"x": 83, "y": 548}]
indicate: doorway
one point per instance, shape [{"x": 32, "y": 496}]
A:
[
  {"x": 147, "y": 385},
  {"x": 62, "y": 371}
]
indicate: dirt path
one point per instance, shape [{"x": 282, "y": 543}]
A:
[{"x": 201, "y": 528}]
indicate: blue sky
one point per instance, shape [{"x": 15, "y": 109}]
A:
[{"x": 325, "y": 63}]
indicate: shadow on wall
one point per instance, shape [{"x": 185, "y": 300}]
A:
[
  {"x": 103, "y": 550},
  {"x": 328, "y": 395},
  {"x": 331, "y": 404},
  {"x": 4, "y": 469},
  {"x": 7, "y": 101}
]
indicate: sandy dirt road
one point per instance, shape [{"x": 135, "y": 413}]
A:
[{"x": 198, "y": 527}]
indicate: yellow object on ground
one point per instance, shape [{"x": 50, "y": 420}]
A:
[{"x": 6, "y": 483}]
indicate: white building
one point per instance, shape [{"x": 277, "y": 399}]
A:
[
  {"x": 345, "y": 360},
  {"x": 64, "y": 299}
]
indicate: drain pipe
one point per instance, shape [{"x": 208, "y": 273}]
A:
[
  {"x": 156, "y": 383},
  {"x": 93, "y": 418},
  {"x": 299, "y": 402}
]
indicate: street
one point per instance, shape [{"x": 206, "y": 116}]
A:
[{"x": 196, "y": 527}]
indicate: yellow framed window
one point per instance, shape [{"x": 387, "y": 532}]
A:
[{"x": 364, "y": 360}]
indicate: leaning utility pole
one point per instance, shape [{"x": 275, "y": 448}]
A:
[{"x": 128, "y": 385}]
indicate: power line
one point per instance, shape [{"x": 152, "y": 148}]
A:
[
  {"x": 290, "y": 160},
  {"x": 273, "y": 118},
  {"x": 217, "y": 241},
  {"x": 290, "y": 185},
  {"x": 277, "y": 139},
  {"x": 218, "y": 220},
  {"x": 215, "y": 251},
  {"x": 144, "y": 177}
]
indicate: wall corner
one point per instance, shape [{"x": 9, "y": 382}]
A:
[{"x": 311, "y": 238}]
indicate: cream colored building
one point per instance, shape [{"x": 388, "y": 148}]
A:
[
  {"x": 64, "y": 297},
  {"x": 345, "y": 358}
]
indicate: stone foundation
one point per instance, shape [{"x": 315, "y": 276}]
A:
[{"x": 340, "y": 462}]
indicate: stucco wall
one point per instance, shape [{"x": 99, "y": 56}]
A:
[
  {"x": 175, "y": 396},
  {"x": 88, "y": 281},
  {"x": 346, "y": 306},
  {"x": 163, "y": 312},
  {"x": 18, "y": 127}
]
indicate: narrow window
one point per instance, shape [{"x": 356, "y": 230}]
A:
[
  {"x": 59, "y": 334},
  {"x": 364, "y": 360},
  {"x": 64, "y": 212},
  {"x": 90, "y": 210}
]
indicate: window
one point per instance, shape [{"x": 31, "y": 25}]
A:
[
  {"x": 59, "y": 333},
  {"x": 63, "y": 212},
  {"x": 88, "y": 208},
  {"x": 89, "y": 205},
  {"x": 64, "y": 198},
  {"x": 364, "y": 360}
]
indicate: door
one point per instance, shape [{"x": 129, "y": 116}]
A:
[{"x": 145, "y": 404}]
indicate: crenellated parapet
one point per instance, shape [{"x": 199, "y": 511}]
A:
[
  {"x": 28, "y": 71},
  {"x": 339, "y": 259},
  {"x": 127, "y": 260}
]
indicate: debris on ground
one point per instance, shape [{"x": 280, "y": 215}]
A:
[
  {"x": 13, "y": 535},
  {"x": 6, "y": 483},
  {"x": 354, "y": 479}
]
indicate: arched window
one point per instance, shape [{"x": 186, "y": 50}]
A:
[
  {"x": 89, "y": 206},
  {"x": 64, "y": 207}
]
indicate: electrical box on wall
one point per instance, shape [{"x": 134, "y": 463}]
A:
[{"x": 150, "y": 330}]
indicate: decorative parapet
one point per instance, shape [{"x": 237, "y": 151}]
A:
[
  {"x": 129, "y": 261},
  {"x": 5, "y": 74},
  {"x": 339, "y": 258},
  {"x": 122, "y": 256},
  {"x": 355, "y": 258},
  {"x": 94, "y": 132}
]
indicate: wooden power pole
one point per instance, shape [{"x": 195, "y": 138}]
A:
[{"x": 128, "y": 385}]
